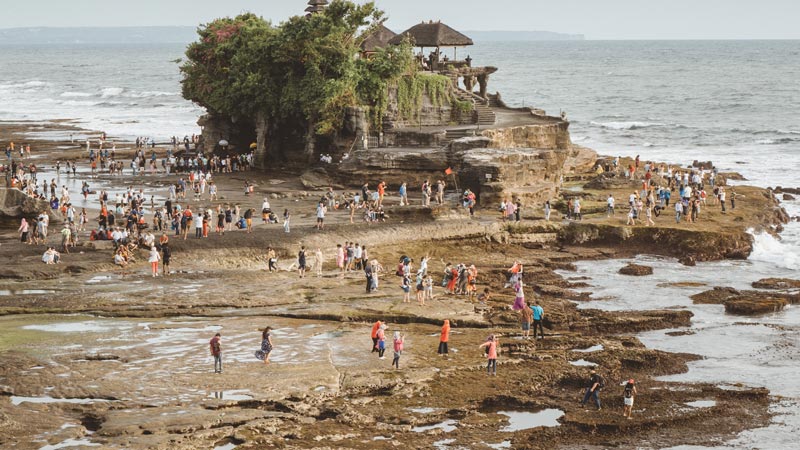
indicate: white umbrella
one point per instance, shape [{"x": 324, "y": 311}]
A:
[{"x": 223, "y": 143}]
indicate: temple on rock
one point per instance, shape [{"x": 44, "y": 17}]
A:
[{"x": 441, "y": 118}]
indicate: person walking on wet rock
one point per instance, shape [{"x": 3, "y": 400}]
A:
[
  {"x": 301, "y": 262},
  {"x": 444, "y": 337},
  {"x": 593, "y": 388},
  {"x": 266, "y": 345},
  {"x": 374, "y": 335},
  {"x": 216, "y": 351},
  {"x": 491, "y": 354},
  {"x": 381, "y": 335},
  {"x": 628, "y": 394},
  {"x": 538, "y": 316},
  {"x": 399, "y": 340}
]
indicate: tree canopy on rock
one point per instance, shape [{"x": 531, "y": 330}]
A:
[{"x": 300, "y": 75}]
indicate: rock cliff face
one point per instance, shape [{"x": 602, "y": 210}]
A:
[{"x": 547, "y": 136}]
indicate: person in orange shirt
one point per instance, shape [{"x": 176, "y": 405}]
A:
[
  {"x": 381, "y": 191},
  {"x": 444, "y": 338},
  {"x": 374, "y": 335}
]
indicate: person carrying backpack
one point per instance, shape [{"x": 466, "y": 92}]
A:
[{"x": 595, "y": 385}]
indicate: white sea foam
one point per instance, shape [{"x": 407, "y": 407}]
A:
[
  {"x": 633, "y": 125},
  {"x": 768, "y": 249},
  {"x": 75, "y": 94},
  {"x": 111, "y": 92}
]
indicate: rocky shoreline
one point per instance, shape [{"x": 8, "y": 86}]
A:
[{"x": 145, "y": 381}]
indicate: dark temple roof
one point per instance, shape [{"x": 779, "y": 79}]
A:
[
  {"x": 433, "y": 34},
  {"x": 378, "y": 39}
]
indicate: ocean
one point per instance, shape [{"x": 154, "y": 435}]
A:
[{"x": 731, "y": 102}]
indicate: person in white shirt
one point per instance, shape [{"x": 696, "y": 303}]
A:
[{"x": 611, "y": 203}]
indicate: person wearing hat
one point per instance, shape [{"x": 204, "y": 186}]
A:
[{"x": 628, "y": 394}]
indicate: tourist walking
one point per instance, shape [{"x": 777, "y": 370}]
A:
[
  {"x": 301, "y": 262},
  {"x": 154, "y": 259},
  {"x": 628, "y": 394},
  {"x": 166, "y": 254},
  {"x": 381, "y": 335},
  {"x": 491, "y": 354},
  {"x": 527, "y": 317},
  {"x": 374, "y": 335},
  {"x": 444, "y": 338},
  {"x": 271, "y": 260},
  {"x": 398, "y": 348},
  {"x": 23, "y": 230},
  {"x": 593, "y": 388},
  {"x": 286, "y": 217},
  {"x": 266, "y": 345},
  {"x": 216, "y": 351},
  {"x": 547, "y": 210},
  {"x": 538, "y": 316}
]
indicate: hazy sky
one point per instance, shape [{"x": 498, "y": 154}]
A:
[{"x": 597, "y": 19}]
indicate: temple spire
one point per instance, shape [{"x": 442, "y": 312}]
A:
[{"x": 315, "y": 6}]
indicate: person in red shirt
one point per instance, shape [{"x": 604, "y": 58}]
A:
[
  {"x": 216, "y": 351},
  {"x": 491, "y": 354},
  {"x": 374, "y": 335}
]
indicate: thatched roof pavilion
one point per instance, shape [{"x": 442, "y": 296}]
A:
[
  {"x": 433, "y": 34},
  {"x": 377, "y": 39}
]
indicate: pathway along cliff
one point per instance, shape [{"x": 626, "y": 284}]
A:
[{"x": 95, "y": 355}]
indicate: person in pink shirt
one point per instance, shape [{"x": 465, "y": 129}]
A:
[
  {"x": 399, "y": 340},
  {"x": 491, "y": 354}
]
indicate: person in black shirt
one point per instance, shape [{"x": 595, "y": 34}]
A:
[{"x": 593, "y": 389}]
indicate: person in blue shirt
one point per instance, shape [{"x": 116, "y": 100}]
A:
[{"x": 538, "y": 316}]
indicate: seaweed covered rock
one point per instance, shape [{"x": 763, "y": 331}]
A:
[
  {"x": 776, "y": 283},
  {"x": 755, "y": 305},
  {"x": 636, "y": 270}
]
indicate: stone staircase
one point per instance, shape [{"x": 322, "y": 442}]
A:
[{"x": 483, "y": 114}]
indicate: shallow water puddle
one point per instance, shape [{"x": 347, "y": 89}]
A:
[
  {"x": 446, "y": 426},
  {"x": 500, "y": 445},
  {"x": 702, "y": 404},
  {"x": 71, "y": 443},
  {"x": 592, "y": 349},
  {"x": 235, "y": 395},
  {"x": 17, "y": 400},
  {"x": 6, "y": 292},
  {"x": 523, "y": 420},
  {"x": 423, "y": 410},
  {"x": 583, "y": 363}
]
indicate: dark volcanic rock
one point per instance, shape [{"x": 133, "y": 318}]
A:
[
  {"x": 690, "y": 261},
  {"x": 636, "y": 270},
  {"x": 788, "y": 196},
  {"x": 776, "y": 283}
]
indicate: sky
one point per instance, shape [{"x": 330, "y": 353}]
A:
[{"x": 596, "y": 19}]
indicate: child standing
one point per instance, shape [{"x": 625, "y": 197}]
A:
[
  {"x": 216, "y": 351},
  {"x": 398, "y": 348},
  {"x": 491, "y": 355}
]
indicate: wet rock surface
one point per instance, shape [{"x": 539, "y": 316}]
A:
[
  {"x": 636, "y": 270},
  {"x": 94, "y": 355}
]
